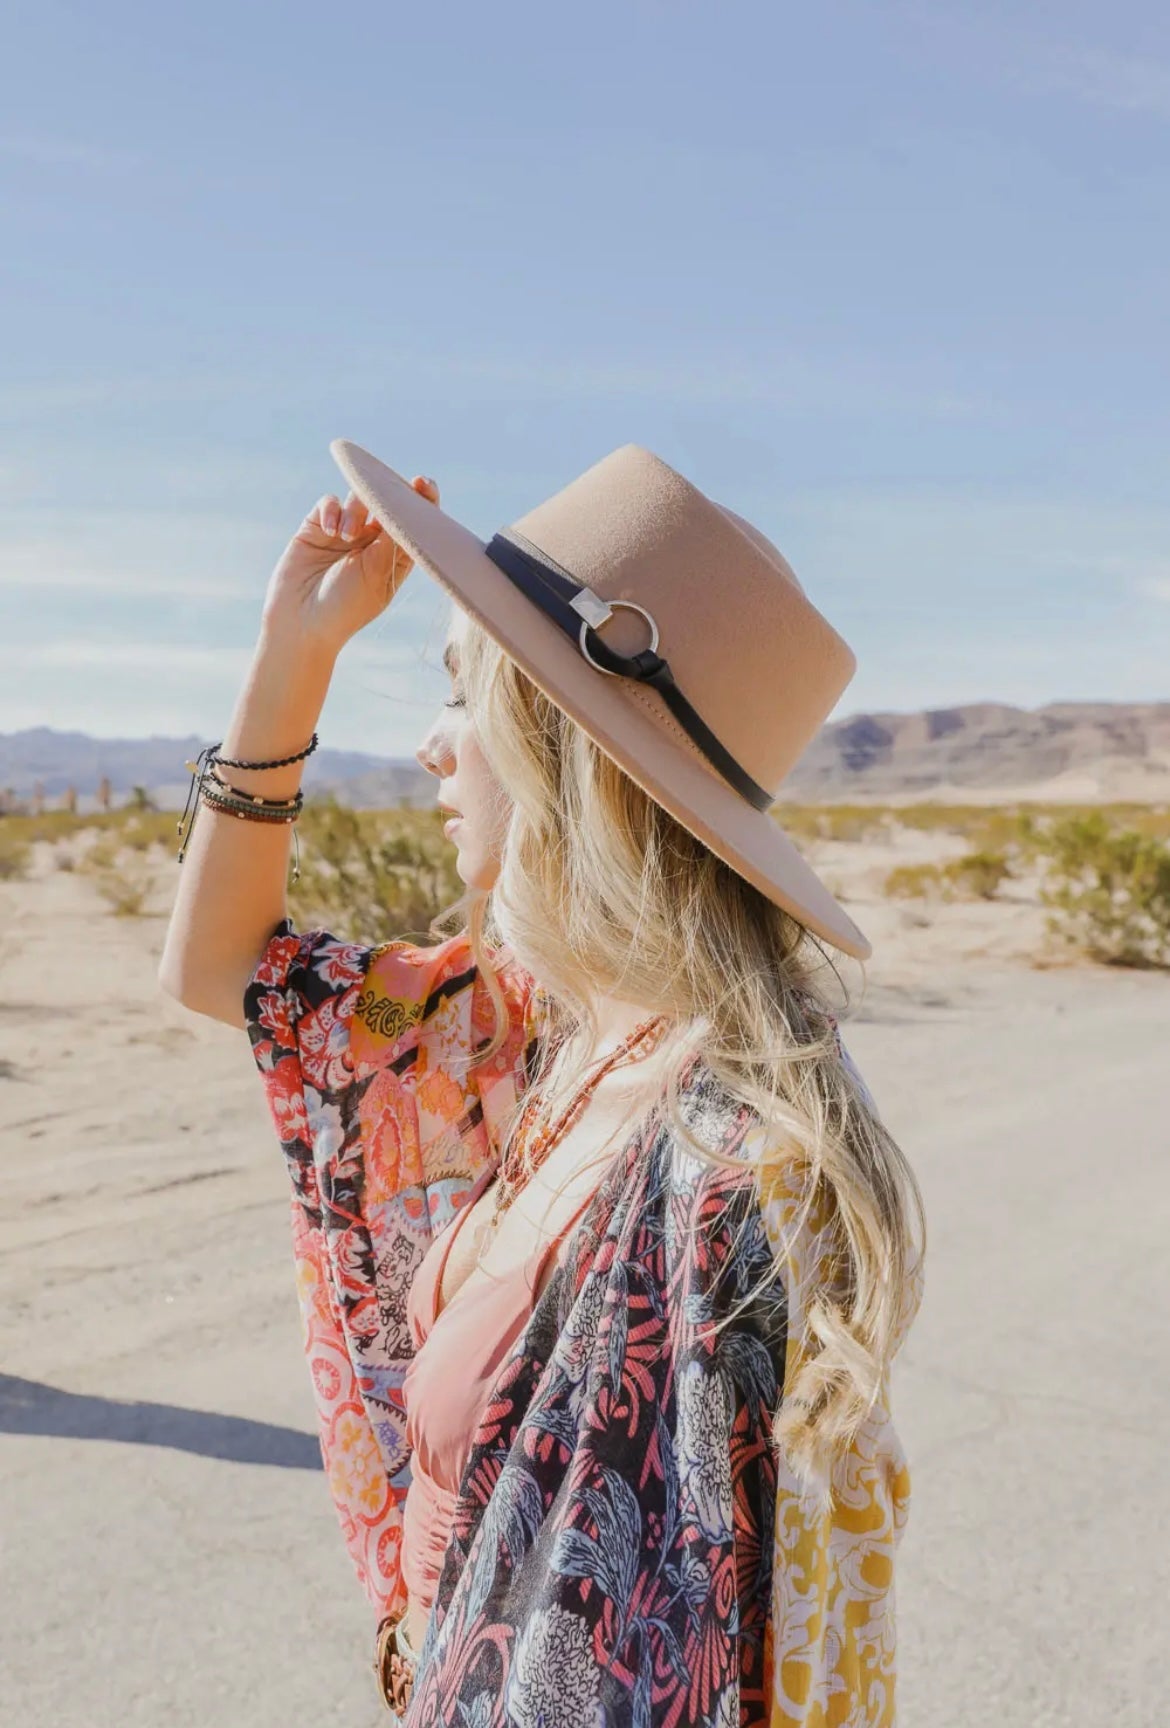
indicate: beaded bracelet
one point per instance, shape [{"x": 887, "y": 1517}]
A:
[
  {"x": 279, "y": 762},
  {"x": 256, "y": 798},
  {"x": 233, "y": 801},
  {"x": 250, "y": 812},
  {"x": 260, "y": 808}
]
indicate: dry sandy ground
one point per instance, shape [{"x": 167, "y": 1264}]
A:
[{"x": 169, "y": 1550}]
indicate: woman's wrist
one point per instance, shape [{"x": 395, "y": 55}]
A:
[
  {"x": 287, "y": 641},
  {"x": 277, "y": 711}
]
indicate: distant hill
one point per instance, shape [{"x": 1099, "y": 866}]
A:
[
  {"x": 990, "y": 752},
  {"x": 62, "y": 759},
  {"x": 984, "y": 752}
]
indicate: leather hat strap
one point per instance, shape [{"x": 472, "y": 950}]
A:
[{"x": 578, "y": 610}]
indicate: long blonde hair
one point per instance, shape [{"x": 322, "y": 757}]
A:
[{"x": 601, "y": 893}]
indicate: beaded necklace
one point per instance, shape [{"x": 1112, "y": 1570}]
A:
[{"x": 530, "y": 1146}]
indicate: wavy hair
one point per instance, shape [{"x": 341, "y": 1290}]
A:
[{"x": 602, "y": 893}]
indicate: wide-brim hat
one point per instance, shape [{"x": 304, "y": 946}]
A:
[{"x": 670, "y": 629}]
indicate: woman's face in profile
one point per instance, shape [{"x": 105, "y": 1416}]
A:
[{"x": 451, "y": 752}]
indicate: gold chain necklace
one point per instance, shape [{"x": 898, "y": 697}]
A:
[{"x": 522, "y": 1160}]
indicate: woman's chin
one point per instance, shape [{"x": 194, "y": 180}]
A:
[{"x": 476, "y": 872}]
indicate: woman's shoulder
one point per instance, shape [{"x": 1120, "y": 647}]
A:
[
  {"x": 365, "y": 1004},
  {"x": 407, "y": 987}
]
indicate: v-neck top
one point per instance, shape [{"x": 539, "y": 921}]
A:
[{"x": 459, "y": 1350}]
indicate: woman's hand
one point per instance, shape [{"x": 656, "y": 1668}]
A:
[{"x": 337, "y": 573}]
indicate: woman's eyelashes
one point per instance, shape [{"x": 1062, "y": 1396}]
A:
[{"x": 453, "y": 702}]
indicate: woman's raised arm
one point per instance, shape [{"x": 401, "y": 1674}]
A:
[{"x": 338, "y": 573}]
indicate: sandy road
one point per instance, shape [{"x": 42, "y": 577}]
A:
[{"x": 169, "y": 1550}]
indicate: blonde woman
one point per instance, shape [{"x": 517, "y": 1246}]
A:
[{"x": 602, "y": 1247}]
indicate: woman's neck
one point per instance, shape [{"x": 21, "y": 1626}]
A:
[{"x": 616, "y": 1020}]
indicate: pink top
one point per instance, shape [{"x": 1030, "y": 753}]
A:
[{"x": 448, "y": 1383}]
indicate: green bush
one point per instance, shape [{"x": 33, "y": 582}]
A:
[
  {"x": 846, "y": 822},
  {"x": 101, "y": 855},
  {"x": 125, "y": 885},
  {"x": 372, "y": 875},
  {"x": 1109, "y": 891},
  {"x": 914, "y": 882},
  {"x": 977, "y": 875},
  {"x": 116, "y": 862},
  {"x": 15, "y": 852}
]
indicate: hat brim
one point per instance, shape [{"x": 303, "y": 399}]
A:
[{"x": 609, "y": 709}]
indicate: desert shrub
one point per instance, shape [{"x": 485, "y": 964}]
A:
[
  {"x": 834, "y": 821},
  {"x": 1010, "y": 828},
  {"x": 51, "y": 825},
  {"x": 15, "y": 853},
  {"x": 125, "y": 887},
  {"x": 144, "y": 829},
  {"x": 915, "y": 882},
  {"x": 977, "y": 875},
  {"x": 54, "y": 825},
  {"x": 852, "y": 823},
  {"x": 1151, "y": 820},
  {"x": 1013, "y": 829},
  {"x": 101, "y": 855},
  {"x": 1109, "y": 891},
  {"x": 974, "y": 822},
  {"x": 372, "y": 875},
  {"x": 1026, "y": 836},
  {"x": 1154, "y": 820},
  {"x": 119, "y": 871}
]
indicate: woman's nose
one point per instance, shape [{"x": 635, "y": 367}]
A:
[{"x": 432, "y": 753}]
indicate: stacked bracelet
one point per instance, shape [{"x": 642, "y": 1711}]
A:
[
  {"x": 251, "y": 805},
  {"x": 221, "y": 788},
  {"x": 230, "y": 800}
]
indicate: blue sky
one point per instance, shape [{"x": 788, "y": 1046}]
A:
[{"x": 891, "y": 280}]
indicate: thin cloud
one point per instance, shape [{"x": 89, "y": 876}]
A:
[
  {"x": 184, "y": 659},
  {"x": 152, "y": 658},
  {"x": 197, "y": 555},
  {"x": 1107, "y": 80},
  {"x": 1018, "y": 53},
  {"x": 381, "y": 698},
  {"x": 67, "y": 152},
  {"x": 785, "y": 381},
  {"x": 120, "y": 390},
  {"x": 946, "y": 546},
  {"x": 788, "y": 381}
]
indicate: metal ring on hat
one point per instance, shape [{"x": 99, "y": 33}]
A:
[
  {"x": 566, "y": 602},
  {"x": 630, "y": 606}
]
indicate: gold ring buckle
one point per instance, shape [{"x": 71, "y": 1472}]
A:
[{"x": 393, "y": 1669}]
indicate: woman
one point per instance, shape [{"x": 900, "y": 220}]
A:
[{"x": 603, "y": 1250}]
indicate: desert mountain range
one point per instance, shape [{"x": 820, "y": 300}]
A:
[{"x": 984, "y": 752}]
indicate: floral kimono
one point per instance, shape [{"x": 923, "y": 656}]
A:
[{"x": 627, "y": 1548}]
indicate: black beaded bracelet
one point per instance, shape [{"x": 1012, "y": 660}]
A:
[
  {"x": 218, "y": 794},
  {"x": 279, "y": 762},
  {"x": 230, "y": 799},
  {"x": 257, "y": 798}
]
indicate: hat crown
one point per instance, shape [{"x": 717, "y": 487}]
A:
[{"x": 747, "y": 647}]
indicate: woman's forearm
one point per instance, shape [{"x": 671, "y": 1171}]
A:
[{"x": 231, "y": 887}]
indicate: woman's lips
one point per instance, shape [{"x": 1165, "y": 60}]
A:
[{"x": 450, "y": 823}]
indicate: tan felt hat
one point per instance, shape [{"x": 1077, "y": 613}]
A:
[{"x": 666, "y": 626}]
